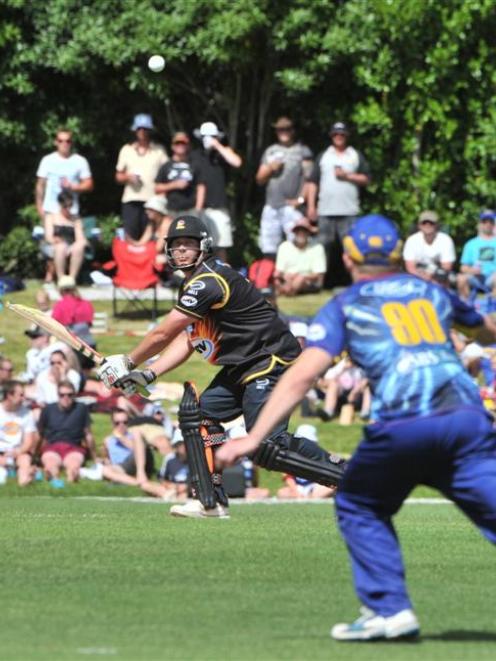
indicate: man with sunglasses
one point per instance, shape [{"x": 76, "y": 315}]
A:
[
  {"x": 180, "y": 180},
  {"x": 61, "y": 170},
  {"x": 428, "y": 249},
  {"x": 283, "y": 169},
  {"x": 65, "y": 430},
  {"x": 478, "y": 261}
]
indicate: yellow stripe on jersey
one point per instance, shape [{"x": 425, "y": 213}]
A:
[
  {"x": 223, "y": 285},
  {"x": 275, "y": 360}
]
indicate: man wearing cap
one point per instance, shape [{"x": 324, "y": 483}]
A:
[
  {"x": 38, "y": 356},
  {"x": 430, "y": 426},
  {"x": 60, "y": 171},
  {"x": 228, "y": 322},
  {"x": 214, "y": 159},
  {"x": 136, "y": 169},
  {"x": 478, "y": 261},
  {"x": 179, "y": 180},
  {"x": 283, "y": 169},
  {"x": 300, "y": 267},
  {"x": 428, "y": 249},
  {"x": 333, "y": 189}
]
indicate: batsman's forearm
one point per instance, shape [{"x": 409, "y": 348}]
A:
[{"x": 176, "y": 353}]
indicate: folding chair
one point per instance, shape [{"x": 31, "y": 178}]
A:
[{"x": 135, "y": 276}]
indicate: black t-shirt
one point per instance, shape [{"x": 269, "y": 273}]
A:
[
  {"x": 56, "y": 424},
  {"x": 213, "y": 173},
  {"x": 180, "y": 200},
  {"x": 235, "y": 326}
]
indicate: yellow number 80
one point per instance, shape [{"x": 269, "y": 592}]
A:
[{"x": 414, "y": 322}]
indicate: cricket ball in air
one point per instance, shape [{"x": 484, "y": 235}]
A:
[{"x": 156, "y": 63}]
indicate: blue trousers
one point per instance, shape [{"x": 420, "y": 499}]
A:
[{"x": 454, "y": 452}]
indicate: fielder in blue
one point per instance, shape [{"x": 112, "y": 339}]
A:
[{"x": 429, "y": 425}]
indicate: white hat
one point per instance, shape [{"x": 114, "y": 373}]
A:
[
  {"x": 472, "y": 351},
  {"x": 298, "y": 328},
  {"x": 208, "y": 129},
  {"x": 307, "y": 431},
  {"x": 66, "y": 282},
  {"x": 157, "y": 203},
  {"x": 177, "y": 437}
]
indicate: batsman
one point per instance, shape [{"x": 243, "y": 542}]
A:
[{"x": 223, "y": 317}]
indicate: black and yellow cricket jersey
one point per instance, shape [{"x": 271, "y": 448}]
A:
[{"x": 234, "y": 325}]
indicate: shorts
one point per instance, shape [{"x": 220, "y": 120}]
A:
[
  {"x": 62, "y": 449},
  {"x": 334, "y": 228},
  {"x": 275, "y": 226},
  {"x": 220, "y": 227},
  {"x": 482, "y": 283},
  {"x": 134, "y": 219}
]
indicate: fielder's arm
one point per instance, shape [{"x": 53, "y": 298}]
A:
[{"x": 287, "y": 394}]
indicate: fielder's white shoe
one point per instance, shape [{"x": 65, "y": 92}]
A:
[
  {"x": 195, "y": 510},
  {"x": 370, "y": 626}
]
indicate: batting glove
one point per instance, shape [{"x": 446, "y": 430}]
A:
[
  {"x": 135, "y": 380},
  {"x": 114, "y": 369}
]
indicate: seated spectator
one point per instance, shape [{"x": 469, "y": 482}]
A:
[
  {"x": 478, "y": 261},
  {"x": 17, "y": 432},
  {"x": 429, "y": 250},
  {"x": 6, "y": 371},
  {"x": 158, "y": 226},
  {"x": 47, "y": 383},
  {"x": 300, "y": 267},
  {"x": 174, "y": 473},
  {"x": 38, "y": 356},
  {"x": 299, "y": 488},
  {"x": 65, "y": 241},
  {"x": 43, "y": 301},
  {"x": 344, "y": 383},
  {"x": 65, "y": 431},
  {"x": 76, "y": 314},
  {"x": 154, "y": 427}
]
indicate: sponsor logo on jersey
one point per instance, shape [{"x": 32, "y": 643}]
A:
[
  {"x": 204, "y": 346},
  {"x": 261, "y": 384},
  {"x": 394, "y": 288},
  {"x": 195, "y": 287},
  {"x": 188, "y": 301},
  {"x": 316, "y": 332}
]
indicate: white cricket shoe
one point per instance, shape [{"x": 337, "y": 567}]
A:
[
  {"x": 195, "y": 510},
  {"x": 370, "y": 626}
]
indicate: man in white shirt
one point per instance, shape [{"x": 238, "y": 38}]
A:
[
  {"x": 300, "y": 267},
  {"x": 38, "y": 356},
  {"x": 18, "y": 433},
  {"x": 428, "y": 249}
]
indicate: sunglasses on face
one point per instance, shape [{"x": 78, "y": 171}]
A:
[
  {"x": 7, "y": 369},
  {"x": 56, "y": 362},
  {"x": 66, "y": 394},
  {"x": 120, "y": 422}
]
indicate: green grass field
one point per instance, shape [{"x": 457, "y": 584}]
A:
[{"x": 124, "y": 580}]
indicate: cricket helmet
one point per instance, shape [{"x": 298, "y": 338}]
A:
[{"x": 192, "y": 228}]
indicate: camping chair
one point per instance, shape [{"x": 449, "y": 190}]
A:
[{"x": 135, "y": 275}]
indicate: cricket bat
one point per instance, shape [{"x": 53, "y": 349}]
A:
[{"x": 59, "y": 331}]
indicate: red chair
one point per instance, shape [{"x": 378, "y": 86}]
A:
[{"x": 136, "y": 274}]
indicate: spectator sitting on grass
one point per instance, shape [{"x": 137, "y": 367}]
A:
[
  {"x": 38, "y": 355},
  {"x": 299, "y": 488},
  {"x": 154, "y": 427},
  {"x": 47, "y": 383},
  {"x": 174, "y": 473},
  {"x": 6, "y": 371},
  {"x": 344, "y": 384},
  {"x": 17, "y": 432},
  {"x": 300, "y": 267},
  {"x": 65, "y": 431}
]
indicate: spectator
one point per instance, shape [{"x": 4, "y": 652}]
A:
[
  {"x": 76, "y": 314},
  {"x": 65, "y": 241},
  {"x": 65, "y": 430},
  {"x": 6, "y": 370},
  {"x": 478, "y": 262},
  {"x": 137, "y": 166},
  {"x": 344, "y": 384},
  {"x": 428, "y": 250},
  {"x": 300, "y": 267},
  {"x": 179, "y": 180},
  {"x": 38, "y": 355},
  {"x": 214, "y": 159},
  {"x": 174, "y": 473},
  {"x": 48, "y": 382},
  {"x": 61, "y": 170},
  {"x": 17, "y": 432},
  {"x": 283, "y": 169},
  {"x": 43, "y": 301},
  {"x": 337, "y": 176},
  {"x": 299, "y": 488},
  {"x": 158, "y": 224},
  {"x": 127, "y": 459},
  {"x": 154, "y": 427}
]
